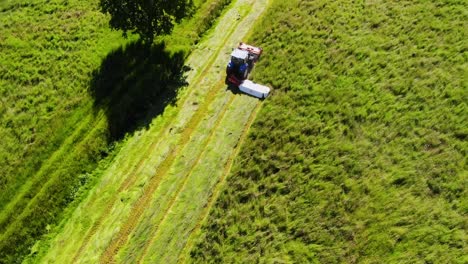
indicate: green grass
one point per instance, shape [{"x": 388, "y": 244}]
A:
[
  {"x": 54, "y": 132},
  {"x": 46, "y": 62},
  {"x": 159, "y": 166},
  {"x": 49, "y": 134},
  {"x": 360, "y": 154}
]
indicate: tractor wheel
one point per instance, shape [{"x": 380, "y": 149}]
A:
[
  {"x": 251, "y": 65},
  {"x": 246, "y": 74}
]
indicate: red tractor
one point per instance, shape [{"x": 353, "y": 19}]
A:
[{"x": 241, "y": 64}]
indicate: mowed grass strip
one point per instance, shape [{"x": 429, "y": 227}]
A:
[
  {"x": 129, "y": 176},
  {"x": 167, "y": 243},
  {"x": 142, "y": 203},
  {"x": 200, "y": 77},
  {"x": 211, "y": 8},
  {"x": 359, "y": 155},
  {"x": 177, "y": 125},
  {"x": 144, "y": 229},
  {"x": 153, "y": 217},
  {"x": 171, "y": 184},
  {"x": 186, "y": 246}
]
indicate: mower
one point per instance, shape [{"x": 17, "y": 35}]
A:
[{"x": 243, "y": 59}]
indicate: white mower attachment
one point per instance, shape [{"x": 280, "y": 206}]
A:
[{"x": 254, "y": 89}]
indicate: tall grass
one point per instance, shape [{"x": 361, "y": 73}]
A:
[
  {"x": 46, "y": 59},
  {"x": 360, "y": 154}
]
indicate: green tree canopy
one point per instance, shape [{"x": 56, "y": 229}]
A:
[{"x": 148, "y": 18}]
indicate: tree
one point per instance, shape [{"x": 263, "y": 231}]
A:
[{"x": 148, "y": 18}]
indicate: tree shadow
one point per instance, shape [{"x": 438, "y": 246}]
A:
[{"x": 135, "y": 83}]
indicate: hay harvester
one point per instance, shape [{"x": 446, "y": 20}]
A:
[{"x": 243, "y": 59}]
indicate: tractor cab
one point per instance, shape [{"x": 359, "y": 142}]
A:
[
  {"x": 239, "y": 57},
  {"x": 238, "y": 65}
]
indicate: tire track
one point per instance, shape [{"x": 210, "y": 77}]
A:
[
  {"x": 155, "y": 230},
  {"x": 141, "y": 204},
  {"x": 129, "y": 180},
  {"x": 218, "y": 187}
]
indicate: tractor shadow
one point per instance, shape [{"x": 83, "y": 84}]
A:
[
  {"x": 233, "y": 89},
  {"x": 134, "y": 84}
]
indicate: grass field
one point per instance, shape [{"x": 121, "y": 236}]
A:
[
  {"x": 70, "y": 93},
  {"x": 141, "y": 199},
  {"x": 115, "y": 153},
  {"x": 360, "y": 154}
]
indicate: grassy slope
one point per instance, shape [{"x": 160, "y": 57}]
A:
[
  {"x": 48, "y": 53},
  {"x": 49, "y": 133},
  {"x": 360, "y": 154},
  {"x": 52, "y": 135}
]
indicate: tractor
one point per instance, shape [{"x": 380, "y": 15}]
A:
[
  {"x": 241, "y": 64},
  {"x": 243, "y": 59}
]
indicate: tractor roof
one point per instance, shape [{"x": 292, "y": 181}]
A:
[{"x": 241, "y": 54}]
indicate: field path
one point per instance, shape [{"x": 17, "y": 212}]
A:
[
  {"x": 181, "y": 187},
  {"x": 184, "y": 153},
  {"x": 144, "y": 200}
]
